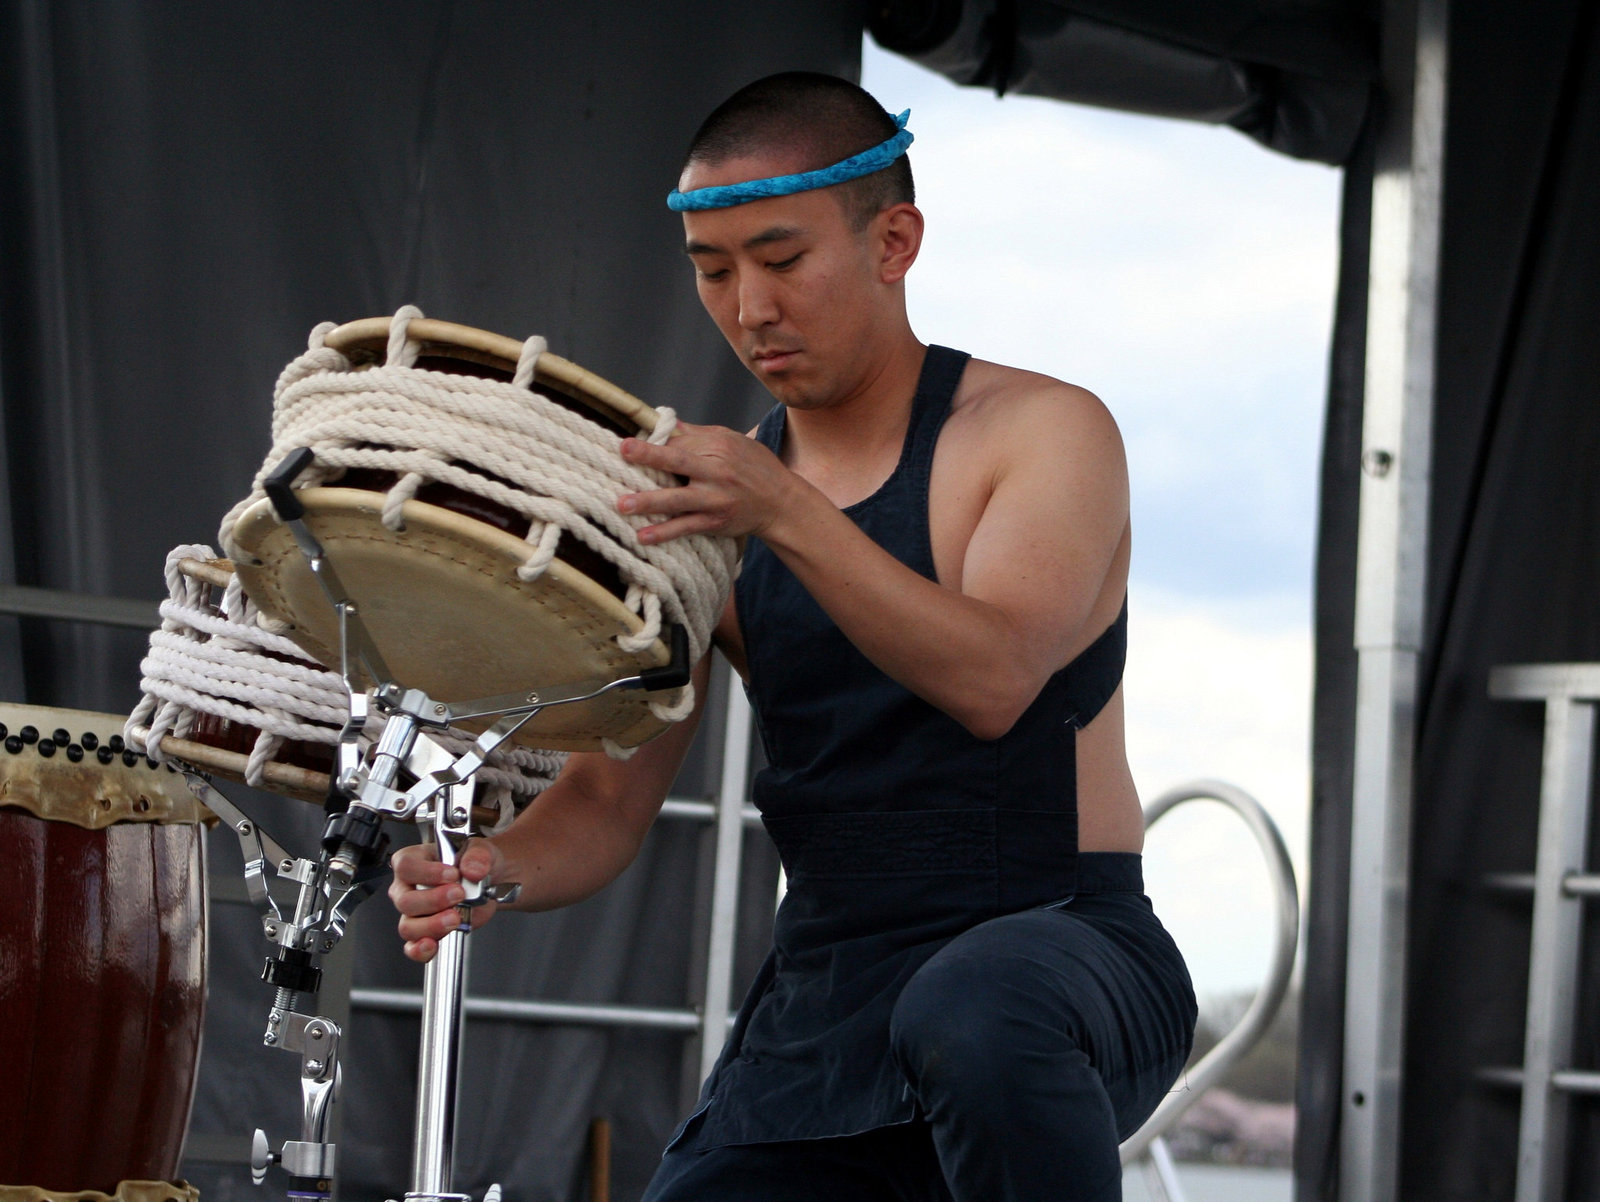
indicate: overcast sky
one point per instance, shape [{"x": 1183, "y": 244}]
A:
[{"x": 1185, "y": 275}]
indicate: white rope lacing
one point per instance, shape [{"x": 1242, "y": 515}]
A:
[
  {"x": 511, "y": 445},
  {"x": 206, "y": 661}
]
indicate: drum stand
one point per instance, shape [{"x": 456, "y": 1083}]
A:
[{"x": 363, "y": 793}]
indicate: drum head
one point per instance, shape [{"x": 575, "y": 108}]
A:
[{"x": 443, "y": 602}]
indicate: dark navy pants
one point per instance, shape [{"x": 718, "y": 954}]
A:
[{"x": 1033, "y": 1044}]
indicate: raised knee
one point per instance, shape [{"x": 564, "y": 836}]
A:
[{"x": 949, "y": 1025}]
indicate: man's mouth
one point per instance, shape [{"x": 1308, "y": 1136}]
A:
[{"x": 771, "y": 361}]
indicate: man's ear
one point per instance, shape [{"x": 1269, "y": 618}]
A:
[{"x": 898, "y": 231}]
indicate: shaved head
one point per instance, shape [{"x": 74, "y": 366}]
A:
[{"x": 820, "y": 120}]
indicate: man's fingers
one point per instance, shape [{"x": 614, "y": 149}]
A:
[
  {"x": 429, "y": 926},
  {"x": 437, "y": 925},
  {"x": 478, "y": 861},
  {"x": 414, "y": 902},
  {"x": 426, "y": 893},
  {"x": 666, "y": 500},
  {"x": 421, "y": 950},
  {"x": 686, "y": 454},
  {"x": 665, "y": 457},
  {"x": 413, "y": 873},
  {"x": 419, "y": 865},
  {"x": 694, "y": 523}
]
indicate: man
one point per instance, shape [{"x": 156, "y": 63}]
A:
[{"x": 969, "y": 996}]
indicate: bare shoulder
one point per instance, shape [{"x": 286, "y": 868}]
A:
[{"x": 1017, "y": 413}]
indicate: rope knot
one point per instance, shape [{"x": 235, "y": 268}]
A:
[
  {"x": 402, "y": 351},
  {"x": 666, "y": 423},
  {"x": 528, "y": 363}
]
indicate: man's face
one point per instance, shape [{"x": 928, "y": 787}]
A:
[{"x": 791, "y": 286}]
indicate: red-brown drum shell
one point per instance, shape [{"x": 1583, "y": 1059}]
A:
[
  {"x": 470, "y": 505},
  {"x": 102, "y": 995},
  {"x": 460, "y": 358}
]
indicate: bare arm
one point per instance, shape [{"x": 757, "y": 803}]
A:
[
  {"x": 571, "y": 841},
  {"x": 978, "y": 647}
]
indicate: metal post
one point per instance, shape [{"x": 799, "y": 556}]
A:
[
  {"x": 433, "y": 1146},
  {"x": 725, "y": 882},
  {"x": 1391, "y": 559}
]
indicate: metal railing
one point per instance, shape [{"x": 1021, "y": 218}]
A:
[
  {"x": 1148, "y": 1142},
  {"x": 26, "y": 601},
  {"x": 1559, "y": 885}
]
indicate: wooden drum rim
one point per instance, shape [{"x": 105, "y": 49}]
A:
[{"x": 371, "y": 335}]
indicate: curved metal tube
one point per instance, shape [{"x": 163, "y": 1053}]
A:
[{"x": 1264, "y": 1006}]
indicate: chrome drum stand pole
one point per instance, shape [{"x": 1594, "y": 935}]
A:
[{"x": 433, "y": 1149}]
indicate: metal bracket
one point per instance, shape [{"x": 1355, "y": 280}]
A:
[
  {"x": 316, "y": 1039},
  {"x": 321, "y": 912},
  {"x": 353, "y": 636},
  {"x": 672, "y": 675}
]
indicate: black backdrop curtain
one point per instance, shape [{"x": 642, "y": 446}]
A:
[
  {"x": 185, "y": 190},
  {"x": 1514, "y": 570}
]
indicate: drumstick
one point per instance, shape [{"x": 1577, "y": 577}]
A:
[{"x": 218, "y": 572}]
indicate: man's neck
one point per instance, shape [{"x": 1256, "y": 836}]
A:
[{"x": 872, "y": 416}]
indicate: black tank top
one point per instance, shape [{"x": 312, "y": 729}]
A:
[
  {"x": 898, "y": 828},
  {"x": 840, "y": 735}
]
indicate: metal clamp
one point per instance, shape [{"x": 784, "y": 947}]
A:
[
  {"x": 353, "y": 636},
  {"x": 316, "y": 1039},
  {"x": 322, "y": 911}
]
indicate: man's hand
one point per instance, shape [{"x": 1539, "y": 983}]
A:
[
  {"x": 427, "y": 892},
  {"x": 735, "y": 486}
]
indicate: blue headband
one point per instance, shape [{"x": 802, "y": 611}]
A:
[{"x": 854, "y": 167}]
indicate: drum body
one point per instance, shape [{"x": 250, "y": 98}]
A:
[
  {"x": 466, "y": 495},
  {"x": 102, "y": 957}
]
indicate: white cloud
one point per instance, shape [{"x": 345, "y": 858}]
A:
[
  {"x": 1125, "y": 226},
  {"x": 1180, "y": 271}
]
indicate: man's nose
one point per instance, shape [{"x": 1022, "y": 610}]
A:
[{"x": 757, "y": 305}]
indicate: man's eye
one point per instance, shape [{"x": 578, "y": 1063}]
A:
[
  {"x": 787, "y": 263},
  {"x": 714, "y": 276}
]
